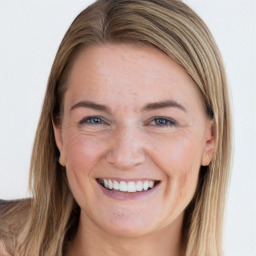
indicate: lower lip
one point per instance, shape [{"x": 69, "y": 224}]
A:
[{"x": 124, "y": 196}]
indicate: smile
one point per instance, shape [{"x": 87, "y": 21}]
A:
[{"x": 129, "y": 187}]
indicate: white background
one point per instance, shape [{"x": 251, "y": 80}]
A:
[{"x": 30, "y": 32}]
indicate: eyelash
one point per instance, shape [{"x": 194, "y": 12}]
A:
[
  {"x": 164, "y": 122},
  {"x": 92, "y": 118},
  {"x": 157, "y": 121}
]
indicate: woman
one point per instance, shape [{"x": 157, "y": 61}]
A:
[{"x": 132, "y": 150}]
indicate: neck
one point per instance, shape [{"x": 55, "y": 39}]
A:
[{"x": 90, "y": 240}]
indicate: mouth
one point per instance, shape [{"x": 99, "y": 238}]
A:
[{"x": 128, "y": 186}]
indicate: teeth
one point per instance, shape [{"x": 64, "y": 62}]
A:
[
  {"x": 106, "y": 183},
  {"x": 130, "y": 186},
  {"x": 145, "y": 185},
  {"x": 139, "y": 186},
  {"x": 110, "y": 184},
  {"x": 116, "y": 185},
  {"x": 151, "y": 184},
  {"x": 123, "y": 186}
]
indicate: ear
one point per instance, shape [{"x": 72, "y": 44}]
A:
[
  {"x": 59, "y": 142},
  {"x": 209, "y": 144}
]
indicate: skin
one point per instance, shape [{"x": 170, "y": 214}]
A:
[{"x": 129, "y": 141}]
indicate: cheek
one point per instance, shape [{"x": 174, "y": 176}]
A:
[
  {"x": 179, "y": 154},
  {"x": 184, "y": 169},
  {"x": 179, "y": 157},
  {"x": 82, "y": 152},
  {"x": 186, "y": 182}
]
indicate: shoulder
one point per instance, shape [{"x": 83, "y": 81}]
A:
[
  {"x": 3, "y": 249},
  {"x": 7, "y": 206},
  {"x": 13, "y": 215}
]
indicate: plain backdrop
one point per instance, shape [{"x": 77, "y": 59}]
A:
[{"x": 30, "y": 32}]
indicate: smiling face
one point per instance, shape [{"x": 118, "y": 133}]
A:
[{"x": 133, "y": 121}]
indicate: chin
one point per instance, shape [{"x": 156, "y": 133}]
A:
[
  {"x": 127, "y": 224},
  {"x": 128, "y": 231}
]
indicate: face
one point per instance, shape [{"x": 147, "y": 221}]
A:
[{"x": 133, "y": 136}]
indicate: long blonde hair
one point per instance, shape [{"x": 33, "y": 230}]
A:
[{"x": 173, "y": 28}]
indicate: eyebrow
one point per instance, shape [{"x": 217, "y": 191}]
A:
[
  {"x": 164, "y": 104},
  {"x": 147, "y": 107},
  {"x": 92, "y": 105}
]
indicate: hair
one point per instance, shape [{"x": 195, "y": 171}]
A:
[{"x": 176, "y": 30}]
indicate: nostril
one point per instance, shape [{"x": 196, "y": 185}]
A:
[{"x": 125, "y": 159}]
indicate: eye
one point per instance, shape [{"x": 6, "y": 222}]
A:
[
  {"x": 92, "y": 120},
  {"x": 163, "y": 122}
]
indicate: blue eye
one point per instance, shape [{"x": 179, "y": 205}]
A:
[
  {"x": 163, "y": 122},
  {"x": 94, "y": 120}
]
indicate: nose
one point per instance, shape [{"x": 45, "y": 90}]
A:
[{"x": 126, "y": 149}]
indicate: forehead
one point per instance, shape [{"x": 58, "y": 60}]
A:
[{"x": 131, "y": 72}]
